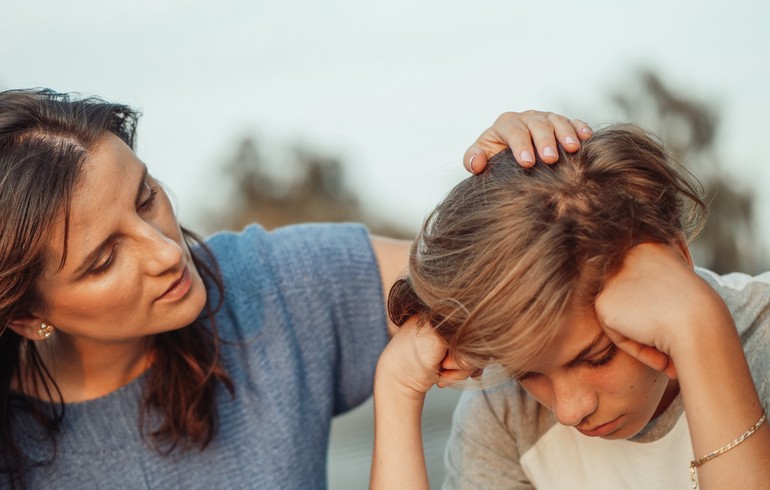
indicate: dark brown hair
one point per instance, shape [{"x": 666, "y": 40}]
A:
[
  {"x": 44, "y": 138},
  {"x": 506, "y": 253}
]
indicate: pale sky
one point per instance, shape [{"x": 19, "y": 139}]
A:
[{"x": 399, "y": 89}]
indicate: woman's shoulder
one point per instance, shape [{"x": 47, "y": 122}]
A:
[
  {"x": 255, "y": 241},
  {"x": 282, "y": 256},
  {"x": 323, "y": 271}
]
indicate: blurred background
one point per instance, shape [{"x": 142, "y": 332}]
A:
[{"x": 280, "y": 112}]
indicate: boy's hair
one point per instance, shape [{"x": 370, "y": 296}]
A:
[{"x": 503, "y": 257}]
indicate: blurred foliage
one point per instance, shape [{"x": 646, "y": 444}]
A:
[
  {"x": 690, "y": 127},
  {"x": 299, "y": 185}
]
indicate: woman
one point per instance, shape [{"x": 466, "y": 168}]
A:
[
  {"x": 628, "y": 364},
  {"x": 134, "y": 355}
]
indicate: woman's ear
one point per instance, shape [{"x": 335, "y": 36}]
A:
[{"x": 31, "y": 327}]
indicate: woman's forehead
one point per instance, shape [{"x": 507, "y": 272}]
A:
[{"x": 105, "y": 190}]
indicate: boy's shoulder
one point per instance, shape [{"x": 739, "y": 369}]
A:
[{"x": 509, "y": 407}]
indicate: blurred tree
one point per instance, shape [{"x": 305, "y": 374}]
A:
[
  {"x": 313, "y": 189},
  {"x": 689, "y": 127}
]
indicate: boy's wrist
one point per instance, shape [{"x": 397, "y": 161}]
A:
[
  {"x": 696, "y": 336},
  {"x": 388, "y": 383}
]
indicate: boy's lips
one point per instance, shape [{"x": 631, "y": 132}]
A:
[{"x": 603, "y": 429}]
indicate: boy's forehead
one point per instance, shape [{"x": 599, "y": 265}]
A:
[{"x": 575, "y": 335}]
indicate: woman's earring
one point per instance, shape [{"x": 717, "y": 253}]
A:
[{"x": 45, "y": 331}]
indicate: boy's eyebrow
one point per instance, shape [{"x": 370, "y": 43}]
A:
[{"x": 587, "y": 349}]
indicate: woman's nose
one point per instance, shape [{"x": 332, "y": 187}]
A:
[
  {"x": 163, "y": 252},
  {"x": 572, "y": 402}
]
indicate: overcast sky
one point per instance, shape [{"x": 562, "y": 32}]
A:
[{"x": 397, "y": 88}]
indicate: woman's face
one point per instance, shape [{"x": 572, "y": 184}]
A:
[
  {"x": 592, "y": 385},
  {"x": 128, "y": 272}
]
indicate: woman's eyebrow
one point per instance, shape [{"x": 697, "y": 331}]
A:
[{"x": 587, "y": 349}]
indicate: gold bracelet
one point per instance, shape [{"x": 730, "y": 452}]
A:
[{"x": 694, "y": 464}]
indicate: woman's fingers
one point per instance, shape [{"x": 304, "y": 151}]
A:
[
  {"x": 527, "y": 134},
  {"x": 475, "y": 160},
  {"x": 569, "y": 132}
]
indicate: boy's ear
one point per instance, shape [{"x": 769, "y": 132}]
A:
[{"x": 28, "y": 326}]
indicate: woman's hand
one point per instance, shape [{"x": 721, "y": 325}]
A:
[{"x": 518, "y": 131}]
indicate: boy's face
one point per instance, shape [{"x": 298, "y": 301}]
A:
[{"x": 592, "y": 385}]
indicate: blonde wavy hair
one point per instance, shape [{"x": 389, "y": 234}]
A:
[{"x": 507, "y": 252}]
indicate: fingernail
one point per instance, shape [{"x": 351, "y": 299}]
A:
[
  {"x": 586, "y": 130},
  {"x": 470, "y": 164},
  {"x": 569, "y": 140},
  {"x": 549, "y": 151},
  {"x": 526, "y": 156}
]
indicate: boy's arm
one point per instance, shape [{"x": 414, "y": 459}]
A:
[
  {"x": 414, "y": 360},
  {"x": 657, "y": 309}
]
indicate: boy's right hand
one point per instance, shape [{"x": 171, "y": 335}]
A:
[{"x": 415, "y": 359}]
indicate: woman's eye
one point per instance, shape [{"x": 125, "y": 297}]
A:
[
  {"x": 105, "y": 266},
  {"x": 147, "y": 202},
  {"x": 612, "y": 350}
]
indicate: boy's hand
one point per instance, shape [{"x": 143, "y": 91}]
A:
[
  {"x": 415, "y": 359},
  {"x": 656, "y": 301}
]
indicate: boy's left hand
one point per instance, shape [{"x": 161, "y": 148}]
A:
[{"x": 654, "y": 302}]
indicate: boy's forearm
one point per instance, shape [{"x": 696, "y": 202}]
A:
[
  {"x": 721, "y": 404},
  {"x": 398, "y": 460}
]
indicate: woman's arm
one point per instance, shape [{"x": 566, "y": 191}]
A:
[
  {"x": 392, "y": 259},
  {"x": 657, "y": 309}
]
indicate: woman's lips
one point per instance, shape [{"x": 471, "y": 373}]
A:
[
  {"x": 602, "y": 430},
  {"x": 178, "y": 289}
]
